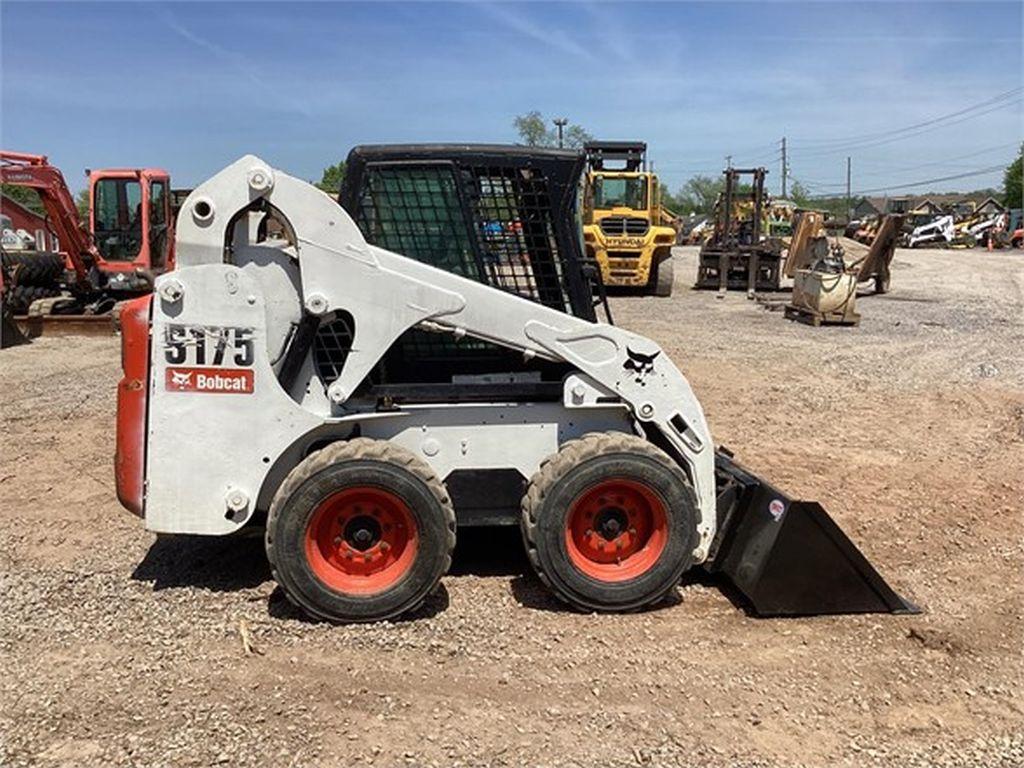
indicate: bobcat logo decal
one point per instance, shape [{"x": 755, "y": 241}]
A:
[{"x": 640, "y": 364}]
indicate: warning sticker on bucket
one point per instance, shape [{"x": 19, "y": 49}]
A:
[{"x": 235, "y": 381}]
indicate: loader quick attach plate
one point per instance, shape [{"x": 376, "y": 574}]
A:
[{"x": 789, "y": 558}]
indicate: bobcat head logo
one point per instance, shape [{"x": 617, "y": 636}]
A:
[
  {"x": 181, "y": 379},
  {"x": 640, "y": 364}
]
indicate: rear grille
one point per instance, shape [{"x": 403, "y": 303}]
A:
[{"x": 621, "y": 226}]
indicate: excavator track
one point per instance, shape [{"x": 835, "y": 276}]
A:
[{"x": 34, "y": 326}]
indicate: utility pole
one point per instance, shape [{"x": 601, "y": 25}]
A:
[
  {"x": 849, "y": 209},
  {"x": 728, "y": 161},
  {"x": 560, "y": 122},
  {"x": 785, "y": 168}
]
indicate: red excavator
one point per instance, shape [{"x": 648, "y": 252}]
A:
[{"x": 127, "y": 242}]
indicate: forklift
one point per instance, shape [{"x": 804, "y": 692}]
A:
[{"x": 738, "y": 255}]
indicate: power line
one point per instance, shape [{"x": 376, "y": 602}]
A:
[
  {"x": 825, "y": 186},
  {"x": 888, "y": 166},
  {"x": 711, "y": 162},
  {"x": 843, "y": 149},
  {"x": 808, "y": 183},
  {"x": 871, "y": 136},
  {"x": 979, "y": 172},
  {"x": 945, "y": 162}
]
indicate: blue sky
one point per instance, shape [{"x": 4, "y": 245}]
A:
[{"x": 190, "y": 86}]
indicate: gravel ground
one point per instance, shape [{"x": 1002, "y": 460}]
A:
[{"x": 119, "y": 648}]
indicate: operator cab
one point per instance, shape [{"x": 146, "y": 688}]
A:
[
  {"x": 619, "y": 190},
  {"x": 131, "y": 219},
  {"x": 499, "y": 215},
  {"x": 618, "y": 178}
]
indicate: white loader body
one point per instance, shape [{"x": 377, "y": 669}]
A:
[{"x": 221, "y": 318}]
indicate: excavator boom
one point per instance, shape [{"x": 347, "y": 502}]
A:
[{"x": 35, "y": 172}]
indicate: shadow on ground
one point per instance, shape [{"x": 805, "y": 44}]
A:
[
  {"x": 225, "y": 563},
  {"x": 491, "y": 551},
  {"x": 236, "y": 563},
  {"x": 280, "y": 607},
  {"x": 217, "y": 563},
  {"x": 530, "y": 593}
]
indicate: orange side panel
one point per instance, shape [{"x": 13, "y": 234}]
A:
[{"x": 132, "y": 402}]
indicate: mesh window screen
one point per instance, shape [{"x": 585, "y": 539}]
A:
[
  {"x": 516, "y": 236},
  {"x": 416, "y": 212},
  {"x": 495, "y": 217}
]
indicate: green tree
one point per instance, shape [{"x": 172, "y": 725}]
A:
[
  {"x": 1013, "y": 182},
  {"x": 670, "y": 201},
  {"x": 698, "y": 194},
  {"x": 332, "y": 177},
  {"x": 798, "y": 194},
  {"x": 575, "y": 137},
  {"x": 533, "y": 131},
  {"x": 25, "y": 196},
  {"x": 82, "y": 203}
]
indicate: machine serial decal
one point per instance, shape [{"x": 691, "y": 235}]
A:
[
  {"x": 235, "y": 381},
  {"x": 208, "y": 345}
]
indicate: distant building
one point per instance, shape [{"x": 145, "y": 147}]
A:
[
  {"x": 990, "y": 207},
  {"x": 867, "y": 207},
  {"x": 955, "y": 203},
  {"x": 36, "y": 225}
]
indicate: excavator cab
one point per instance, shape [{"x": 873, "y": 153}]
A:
[{"x": 130, "y": 217}]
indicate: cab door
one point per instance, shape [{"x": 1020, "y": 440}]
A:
[{"x": 160, "y": 234}]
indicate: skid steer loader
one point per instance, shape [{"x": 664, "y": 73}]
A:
[{"x": 251, "y": 396}]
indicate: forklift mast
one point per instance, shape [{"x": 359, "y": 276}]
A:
[
  {"x": 732, "y": 195},
  {"x": 632, "y": 155}
]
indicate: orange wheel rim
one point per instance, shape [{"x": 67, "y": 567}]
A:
[
  {"x": 616, "y": 530},
  {"x": 361, "y": 540}
]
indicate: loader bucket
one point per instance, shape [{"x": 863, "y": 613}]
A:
[{"x": 789, "y": 558}]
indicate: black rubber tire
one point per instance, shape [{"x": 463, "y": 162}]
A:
[
  {"x": 664, "y": 277},
  {"x": 33, "y": 268},
  {"x": 20, "y": 297},
  {"x": 564, "y": 476},
  {"x": 359, "y": 462}
]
